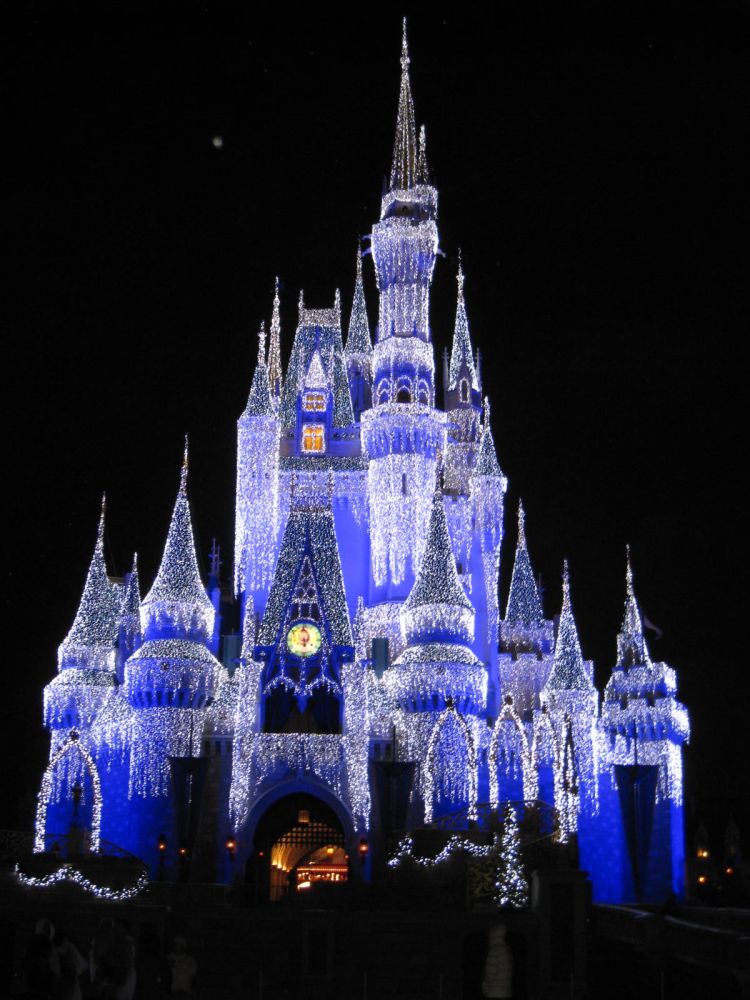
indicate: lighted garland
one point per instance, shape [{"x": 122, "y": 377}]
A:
[
  {"x": 67, "y": 873},
  {"x": 455, "y": 846}
]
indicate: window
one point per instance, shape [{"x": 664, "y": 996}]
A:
[
  {"x": 314, "y": 402},
  {"x": 464, "y": 391},
  {"x": 404, "y": 396},
  {"x": 313, "y": 438}
]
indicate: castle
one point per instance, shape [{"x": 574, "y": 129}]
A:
[{"x": 374, "y": 685}]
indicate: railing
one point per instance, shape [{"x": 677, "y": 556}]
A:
[{"x": 15, "y": 844}]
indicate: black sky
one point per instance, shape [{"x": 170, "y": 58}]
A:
[{"x": 591, "y": 168}]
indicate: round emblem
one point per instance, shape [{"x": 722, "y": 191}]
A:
[{"x": 303, "y": 639}]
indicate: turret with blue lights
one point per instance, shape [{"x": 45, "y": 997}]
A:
[{"x": 216, "y": 726}]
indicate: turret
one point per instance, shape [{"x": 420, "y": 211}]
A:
[
  {"x": 488, "y": 486},
  {"x": 570, "y": 687},
  {"x": 463, "y": 403},
  {"x": 640, "y": 707},
  {"x": 404, "y": 247},
  {"x": 358, "y": 350},
  {"x": 87, "y": 657},
  {"x": 437, "y": 620},
  {"x": 173, "y": 676},
  {"x": 129, "y": 633},
  {"x": 257, "y": 501},
  {"x": 524, "y": 628},
  {"x": 526, "y": 637},
  {"x": 275, "y": 375},
  {"x": 316, "y": 413},
  {"x": 645, "y": 727}
]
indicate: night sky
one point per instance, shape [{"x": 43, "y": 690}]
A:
[{"x": 590, "y": 170}]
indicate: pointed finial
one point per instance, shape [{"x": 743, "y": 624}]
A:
[
  {"x": 359, "y": 258},
  {"x": 262, "y": 342},
  {"x": 102, "y": 515},
  {"x": 184, "y": 469},
  {"x": 301, "y": 299},
  {"x": 566, "y": 581},
  {"x": 629, "y": 573},
  {"x": 337, "y": 300},
  {"x": 486, "y": 412},
  {"x": 404, "y": 48},
  {"x": 521, "y": 525},
  {"x": 460, "y": 276}
]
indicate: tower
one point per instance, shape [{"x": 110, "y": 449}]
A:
[
  {"x": 403, "y": 431},
  {"x": 646, "y": 728}
]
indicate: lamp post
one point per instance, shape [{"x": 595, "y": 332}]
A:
[{"x": 162, "y": 842}]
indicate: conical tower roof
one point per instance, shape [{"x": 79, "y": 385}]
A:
[
  {"x": 178, "y": 589},
  {"x": 462, "y": 359},
  {"x": 487, "y": 463},
  {"x": 437, "y": 581},
  {"x": 275, "y": 375},
  {"x": 568, "y": 671},
  {"x": 131, "y": 601},
  {"x": 631, "y": 643},
  {"x": 90, "y": 641},
  {"x": 404, "y": 167},
  {"x": 260, "y": 402},
  {"x": 358, "y": 337},
  {"x": 524, "y": 605}
]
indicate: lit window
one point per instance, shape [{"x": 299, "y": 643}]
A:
[
  {"x": 314, "y": 402},
  {"x": 313, "y": 438}
]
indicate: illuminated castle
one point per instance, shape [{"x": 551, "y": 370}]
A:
[{"x": 369, "y": 527}]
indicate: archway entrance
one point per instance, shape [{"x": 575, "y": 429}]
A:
[{"x": 299, "y": 843}]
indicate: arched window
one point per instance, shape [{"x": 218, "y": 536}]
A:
[
  {"x": 404, "y": 396},
  {"x": 464, "y": 391}
]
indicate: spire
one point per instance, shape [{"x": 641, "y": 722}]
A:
[
  {"x": 358, "y": 338},
  {"x": 178, "y": 588},
  {"x": 89, "y": 643},
  {"x": 423, "y": 176},
  {"x": 403, "y": 170},
  {"x": 260, "y": 402},
  {"x": 524, "y": 606},
  {"x": 462, "y": 361},
  {"x": 568, "y": 672},
  {"x": 131, "y": 602},
  {"x": 487, "y": 464},
  {"x": 437, "y": 581},
  {"x": 631, "y": 643},
  {"x": 274, "y": 347}
]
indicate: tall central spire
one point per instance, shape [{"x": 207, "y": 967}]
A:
[{"x": 404, "y": 167}]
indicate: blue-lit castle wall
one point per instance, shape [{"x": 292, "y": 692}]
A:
[{"x": 369, "y": 529}]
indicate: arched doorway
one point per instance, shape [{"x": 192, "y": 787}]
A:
[{"x": 299, "y": 843}]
